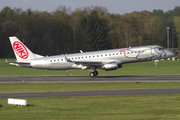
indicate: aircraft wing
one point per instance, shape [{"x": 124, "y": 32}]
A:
[
  {"x": 86, "y": 63},
  {"x": 89, "y": 63}
]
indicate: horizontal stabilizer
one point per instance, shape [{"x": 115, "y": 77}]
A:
[{"x": 20, "y": 64}]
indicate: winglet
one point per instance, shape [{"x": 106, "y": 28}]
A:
[
  {"x": 68, "y": 60},
  {"x": 6, "y": 61}
]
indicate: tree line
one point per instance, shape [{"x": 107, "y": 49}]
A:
[{"x": 88, "y": 29}]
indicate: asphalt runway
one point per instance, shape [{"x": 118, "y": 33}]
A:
[
  {"x": 92, "y": 93},
  {"x": 87, "y": 79}
]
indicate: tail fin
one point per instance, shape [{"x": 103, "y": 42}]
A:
[{"x": 20, "y": 50}]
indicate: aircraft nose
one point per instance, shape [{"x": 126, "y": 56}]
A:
[{"x": 170, "y": 54}]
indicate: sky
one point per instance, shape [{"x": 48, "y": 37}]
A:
[{"x": 113, "y": 6}]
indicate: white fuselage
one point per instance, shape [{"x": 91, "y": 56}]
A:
[
  {"x": 105, "y": 59},
  {"x": 121, "y": 56}
]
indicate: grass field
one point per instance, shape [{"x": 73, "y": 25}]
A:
[
  {"x": 130, "y": 107},
  {"x": 51, "y": 87},
  {"x": 141, "y": 68},
  {"x": 137, "y": 107}
]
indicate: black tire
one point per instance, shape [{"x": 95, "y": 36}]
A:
[
  {"x": 157, "y": 66},
  {"x": 91, "y": 74},
  {"x": 95, "y": 73}
]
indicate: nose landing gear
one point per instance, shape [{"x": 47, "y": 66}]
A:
[{"x": 156, "y": 65}]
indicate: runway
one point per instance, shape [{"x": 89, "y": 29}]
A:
[
  {"x": 92, "y": 93},
  {"x": 87, "y": 79}
]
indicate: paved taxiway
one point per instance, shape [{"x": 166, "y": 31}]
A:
[
  {"x": 92, "y": 93},
  {"x": 87, "y": 79}
]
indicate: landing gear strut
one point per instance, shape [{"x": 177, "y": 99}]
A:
[
  {"x": 156, "y": 65},
  {"x": 93, "y": 73}
]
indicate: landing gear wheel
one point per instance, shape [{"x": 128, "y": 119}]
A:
[
  {"x": 91, "y": 74},
  {"x": 95, "y": 73},
  {"x": 157, "y": 66}
]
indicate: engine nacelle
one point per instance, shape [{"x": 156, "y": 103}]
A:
[{"x": 110, "y": 66}]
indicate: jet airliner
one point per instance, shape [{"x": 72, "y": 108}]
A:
[{"x": 104, "y": 59}]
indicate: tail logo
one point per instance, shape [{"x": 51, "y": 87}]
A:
[{"x": 20, "y": 50}]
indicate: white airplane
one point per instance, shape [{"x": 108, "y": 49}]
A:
[{"x": 105, "y": 59}]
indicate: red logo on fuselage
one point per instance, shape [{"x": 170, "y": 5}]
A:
[
  {"x": 122, "y": 50},
  {"x": 20, "y": 50}
]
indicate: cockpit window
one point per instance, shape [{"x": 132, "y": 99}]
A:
[
  {"x": 159, "y": 50},
  {"x": 162, "y": 48}
]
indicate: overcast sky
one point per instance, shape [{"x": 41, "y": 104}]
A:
[{"x": 114, "y": 6}]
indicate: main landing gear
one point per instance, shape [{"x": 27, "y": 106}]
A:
[{"x": 94, "y": 73}]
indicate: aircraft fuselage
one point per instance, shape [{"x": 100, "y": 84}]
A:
[{"x": 104, "y": 59}]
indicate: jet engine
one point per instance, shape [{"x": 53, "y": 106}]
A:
[{"x": 110, "y": 66}]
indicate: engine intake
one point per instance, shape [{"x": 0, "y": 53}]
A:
[{"x": 110, "y": 66}]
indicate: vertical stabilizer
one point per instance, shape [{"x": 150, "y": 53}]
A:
[{"x": 20, "y": 50}]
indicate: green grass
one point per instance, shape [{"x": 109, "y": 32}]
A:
[
  {"x": 141, "y": 68},
  {"x": 50, "y": 87},
  {"x": 137, "y": 107},
  {"x": 130, "y": 107}
]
